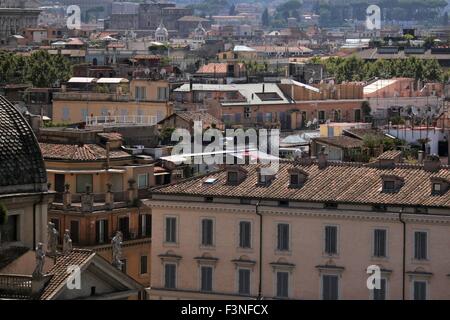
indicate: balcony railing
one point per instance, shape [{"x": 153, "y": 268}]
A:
[
  {"x": 15, "y": 286},
  {"x": 90, "y": 96},
  {"x": 121, "y": 120}
]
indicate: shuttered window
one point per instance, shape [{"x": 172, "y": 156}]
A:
[
  {"x": 245, "y": 234},
  {"x": 420, "y": 245},
  {"x": 283, "y": 237},
  {"x": 101, "y": 231},
  {"x": 282, "y": 284},
  {"x": 206, "y": 278},
  {"x": 170, "y": 276},
  {"x": 379, "y": 249},
  {"x": 75, "y": 231},
  {"x": 171, "y": 229},
  {"x": 244, "y": 281},
  {"x": 330, "y": 287},
  {"x": 420, "y": 290},
  {"x": 207, "y": 232},
  {"x": 331, "y": 239},
  {"x": 145, "y": 225},
  {"x": 380, "y": 294}
]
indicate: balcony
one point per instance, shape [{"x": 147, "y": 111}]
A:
[
  {"x": 90, "y": 96},
  {"x": 121, "y": 120},
  {"x": 15, "y": 286}
]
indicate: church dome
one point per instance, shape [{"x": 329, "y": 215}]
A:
[
  {"x": 161, "y": 33},
  {"x": 22, "y": 168}
]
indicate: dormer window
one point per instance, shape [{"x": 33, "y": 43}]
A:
[
  {"x": 265, "y": 176},
  {"x": 391, "y": 183},
  {"x": 439, "y": 185},
  {"x": 297, "y": 177},
  {"x": 232, "y": 177},
  {"x": 389, "y": 186}
]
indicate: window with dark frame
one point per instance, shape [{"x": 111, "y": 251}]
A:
[
  {"x": 75, "y": 231},
  {"x": 171, "y": 230},
  {"x": 380, "y": 294},
  {"x": 420, "y": 290},
  {"x": 244, "y": 281},
  {"x": 330, "y": 287},
  {"x": 282, "y": 284},
  {"x": 283, "y": 237},
  {"x": 420, "y": 245},
  {"x": 207, "y": 232},
  {"x": 245, "y": 234},
  {"x": 206, "y": 278},
  {"x": 144, "y": 264},
  {"x": 331, "y": 240},
  {"x": 101, "y": 231},
  {"x": 379, "y": 243},
  {"x": 170, "y": 270}
]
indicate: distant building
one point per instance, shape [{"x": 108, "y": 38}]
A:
[{"x": 16, "y": 15}]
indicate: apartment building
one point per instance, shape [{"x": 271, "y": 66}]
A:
[
  {"x": 98, "y": 187},
  {"x": 309, "y": 231},
  {"x": 289, "y": 105},
  {"x": 112, "y": 100}
]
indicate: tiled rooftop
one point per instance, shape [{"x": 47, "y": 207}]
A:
[
  {"x": 19, "y": 154},
  {"x": 341, "y": 142},
  {"x": 337, "y": 182},
  {"x": 86, "y": 152}
]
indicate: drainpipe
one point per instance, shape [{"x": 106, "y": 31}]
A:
[
  {"x": 400, "y": 217},
  {"x": 260, "y": 249}
]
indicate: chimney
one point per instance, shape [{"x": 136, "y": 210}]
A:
[
  {"x": 420, "y": 156},
  {"x": 263, "y": 88},
  {"x": 322, "y": 158},
  {"x": 432, "y": 163},
  {"x": 190, "y": 85}
]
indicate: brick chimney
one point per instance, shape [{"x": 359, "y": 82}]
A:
[{"x": 322, "y": 158}]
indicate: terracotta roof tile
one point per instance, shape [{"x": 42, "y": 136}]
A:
[
  {"x": 338, "y": 182},
  {"x": 212, "y": 68},
  {"x": 77, "y": 257},
  {"x": 86, "y": 152},
  {"x": 341, "y": 142}
]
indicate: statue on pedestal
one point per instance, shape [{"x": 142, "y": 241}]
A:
[
  {"x": 67, "y": 244},
  {"x": 52, "y": 241},
  {"x": 40, "y": 260},
  {"x": 117, "y": 250}
]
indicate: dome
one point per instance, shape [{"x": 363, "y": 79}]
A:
[
  {"x": 161, "y": 34},
  {"x": 22, "y": 168}
]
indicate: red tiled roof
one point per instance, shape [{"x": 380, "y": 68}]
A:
[
  {"x": 77, "y": 257},
  {"x": 341, "y": 142},
  {"x": 338, "y": 182},
  {"x": 198, "y": 116},
  {"x": 212, "y": 68},
  {"x": 86, "y": 152}
]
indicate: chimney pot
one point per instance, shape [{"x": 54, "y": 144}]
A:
[{"x": 322, "y": 158}]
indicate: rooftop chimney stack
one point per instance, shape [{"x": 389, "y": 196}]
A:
[
  {"x": 322, "y": 158},
  {"x": 432, "y": 163},
  {"x": 420, "y": 156}
]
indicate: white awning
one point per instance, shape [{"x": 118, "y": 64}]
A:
[
  {"x": 112, "y": 80},
  {"x": 81, "y": 80}
]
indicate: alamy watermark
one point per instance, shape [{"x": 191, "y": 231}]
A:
[
  {"x": 265, "y": 142},
  {"x": 373, "y": 17},
  {"x": 73, "y": 17}
]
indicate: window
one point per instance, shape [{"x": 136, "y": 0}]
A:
[
  {"x": 244, "y": 281},
  {"x": 282, "y": 284},
  {"x": 380, "y": 294},
  {"x": 245, "y": 234},
  {"x": 10, "y": 231},
  {"x": 84, "y": 180},
  {"x": 331, "y": 240},
  {"x": 101, "y": 231},
  {"x": 420, "y": 245},
  {"x": 124, "y": 265},
  {"x": 170, "y": 274},
  {"x": 419, "y": 290},
  {"x": 330, "y": 287},
  {"x": 232, "y": 177},
  {"x": 144, "y": 264},
  {"x": 388, "y": 186},
  {"x": 163, "y": 94},
  {"x": 207, "y": 232},
  {"x": 171, "y": 229},
  {"x": 124, "y": 227},
  {"x": 66, "y": 114},
  {"x": 379, "y": 243},
  {"x": 75, "y": 231},
  {"x": 283, "y": 237},
  {"x": 294, "y": 179},
  {"x": 140, "y": 93},
  {"x": 206, "y": 278},
  {"x": 142, "y": 181},
  {"x": 145, "y": 225},
  {"x": 437, "y": 188},
  {"x": 357, "y": 115}
]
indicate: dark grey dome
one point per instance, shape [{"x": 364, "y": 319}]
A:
[{"x": 22, "y": 168}]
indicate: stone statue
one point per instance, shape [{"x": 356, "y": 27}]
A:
[
  {"x": 67, "y": 244},
  {"x": 117, "y": 250},
  {"x": 52, "y": 239},
  {"x": 40, "y": 260}
]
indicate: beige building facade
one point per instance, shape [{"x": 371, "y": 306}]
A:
[{"x": 320, "y": 228}]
